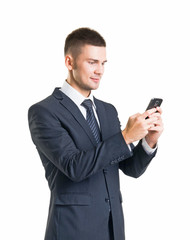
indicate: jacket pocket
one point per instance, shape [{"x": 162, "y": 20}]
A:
[{"x": 76, "y": 199}]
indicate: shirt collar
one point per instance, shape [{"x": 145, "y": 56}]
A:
[{"x": 74, "y": 95}]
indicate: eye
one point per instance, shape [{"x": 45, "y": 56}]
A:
[{"x": 91, "y": 62}]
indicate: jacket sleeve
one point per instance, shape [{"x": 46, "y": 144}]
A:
[
  {"x": 55, "y": 143},
  {"x": 136, "y": 165}
]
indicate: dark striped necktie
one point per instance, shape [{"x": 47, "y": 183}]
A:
[{"x": 91, "y": 119}]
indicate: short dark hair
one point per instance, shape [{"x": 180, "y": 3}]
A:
[{"x": 80, "y": 37}]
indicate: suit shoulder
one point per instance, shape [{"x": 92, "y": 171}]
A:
[
  {"x": 43, "y": 104},
  {"x": 107, "y": 106},
  {"x": 44, "y": 108},
  {"x": 49, "y": 102}
]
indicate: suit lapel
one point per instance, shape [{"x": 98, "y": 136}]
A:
[{"x": 74, "y": 110}]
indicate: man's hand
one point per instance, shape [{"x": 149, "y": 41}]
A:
[
  {"x": 148, "y": 125},
  {"x": 155, "y": 130}
]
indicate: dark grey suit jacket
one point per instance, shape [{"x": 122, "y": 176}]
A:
[{"x": 83, "y": 177}]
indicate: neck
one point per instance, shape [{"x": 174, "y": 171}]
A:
[{"x": 77, "y": 87}]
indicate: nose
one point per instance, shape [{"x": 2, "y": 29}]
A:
[{"x": 99, "y": 69}]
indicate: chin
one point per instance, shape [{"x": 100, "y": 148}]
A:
[
  {"x": 92, "y": 86},
  {"x": 95, "y": 87}
]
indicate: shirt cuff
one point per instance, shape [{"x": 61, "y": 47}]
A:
[{"x": 147, "y": 148}]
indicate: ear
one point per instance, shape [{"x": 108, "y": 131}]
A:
[{"x": 69, "y": 62}]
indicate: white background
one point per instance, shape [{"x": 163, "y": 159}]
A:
[{"x": 148, "y": 51}]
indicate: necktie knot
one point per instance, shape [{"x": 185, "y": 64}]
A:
[{"x": 87, "y": 104}]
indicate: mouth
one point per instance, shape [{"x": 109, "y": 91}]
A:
[{"x": 95, "y": 79}]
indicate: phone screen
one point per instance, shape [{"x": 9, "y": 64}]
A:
[{"x": 154, "y": 102}]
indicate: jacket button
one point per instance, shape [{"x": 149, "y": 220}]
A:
[
  {"x": 107, "y": 200},
  {"x": 105, "y": 170}
]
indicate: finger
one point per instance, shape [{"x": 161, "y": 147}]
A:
[
  {"x": 154, "y": 117},
  {"x": 135, "y": 115},
  {"x": 156, "y": 114},
  {"x": 159, "y": 122},
  {"x": 159, "y": 109},
  {"x": 156, "y": 128},
  {"x": 151, "y": 127},
  {"x": 151, "y": 120},
  {"x": 149, "y": 112},
  {"x": 158, "y": 117}
]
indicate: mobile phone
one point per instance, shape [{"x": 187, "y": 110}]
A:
[{"x": 154, "y": 102}]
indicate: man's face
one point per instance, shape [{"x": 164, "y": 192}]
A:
[{"x": 88, "y": 69}]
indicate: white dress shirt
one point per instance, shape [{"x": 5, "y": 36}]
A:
[{"x": 78, "y": 98}]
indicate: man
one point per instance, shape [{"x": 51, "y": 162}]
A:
[{"x": 82, "y": 148}]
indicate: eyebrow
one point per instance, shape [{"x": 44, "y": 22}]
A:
[{"x": 96, "y": 60}]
